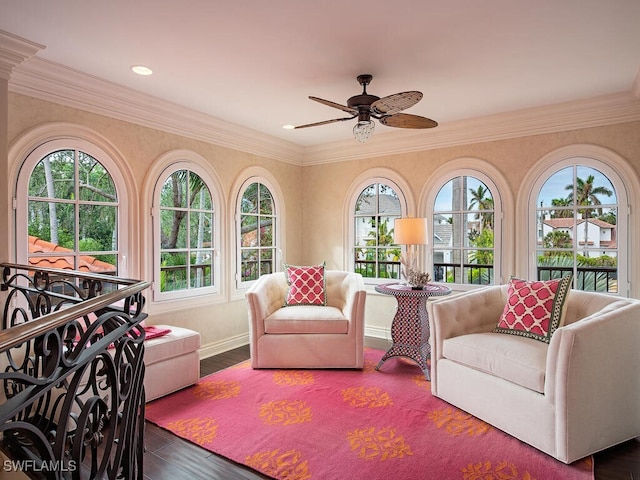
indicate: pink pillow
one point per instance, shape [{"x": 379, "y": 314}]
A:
[
  {"x": 534, "y": 309},
  {"x": 307, "y": 285}
]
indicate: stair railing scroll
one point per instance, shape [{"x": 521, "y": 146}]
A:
[{"x": 71, "y": 372}]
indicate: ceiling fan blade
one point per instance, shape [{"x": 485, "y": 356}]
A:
[
  {"x": 404, "y": 120},
  {"x": 395, "y": 103},
  {"x": 329, "y": 103},
  {"x": 325, "y": 122}
]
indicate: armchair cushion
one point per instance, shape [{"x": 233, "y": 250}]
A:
[
  {"x": 307, "y": 319},
  {"x": 519, "y": 360},
  {"x": 534, "y": 309},
  {"x": 307, "y": 286}
]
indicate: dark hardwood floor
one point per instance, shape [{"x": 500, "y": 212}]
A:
[{"x": 168, "y": 457}]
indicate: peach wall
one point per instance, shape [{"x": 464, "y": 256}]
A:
[
  {"x": 223, "y": 324},
  {"x": 326, "y": 188},
  {"x": 314, "y": 197}
]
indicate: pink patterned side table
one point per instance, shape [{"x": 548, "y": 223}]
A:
[{"x": 410, "y": 326}]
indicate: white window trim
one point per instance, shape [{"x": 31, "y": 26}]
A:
[
  {"x": 249, "y": 176},
  {"x": 191, "y": 164},
  {"x": 46, "y": 139},
  {"x": 624, "y": 181},
  {"x": 493, "y": 179},
  {"x": 407, "y": 206}
]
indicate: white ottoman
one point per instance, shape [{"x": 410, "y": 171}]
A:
[{"x": 171, "y": 361}]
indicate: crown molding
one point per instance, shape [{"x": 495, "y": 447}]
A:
[
  {"x": 14, "y": 50},
  {"x": 592, "y": 112},
  {"x": 59, "y": 84}
]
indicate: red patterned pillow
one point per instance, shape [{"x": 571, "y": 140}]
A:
[
  {"x": 534, "y": 309},
  {"x": 307, "y": 286}
]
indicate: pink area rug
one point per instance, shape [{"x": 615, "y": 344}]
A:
[{"x": 344, "y": 424}]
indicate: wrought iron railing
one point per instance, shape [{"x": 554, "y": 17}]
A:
[
  {"x": 72, "y": 371},
  {"x": 378, "y": 269},
  {"x": 594, "y": 279}
]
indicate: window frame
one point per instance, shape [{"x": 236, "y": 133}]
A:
[
  {"x": 190, "y": 166},
  {"x": 278, "y": 222},
  {"x": 556, "y": 162},
  {"x": 58, "y": 142},
  {"x": 407, "y": 208},
  {"x": 484, "y": 172}
]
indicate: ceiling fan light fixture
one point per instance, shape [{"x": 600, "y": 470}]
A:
[{"x": 363, "y": 130}]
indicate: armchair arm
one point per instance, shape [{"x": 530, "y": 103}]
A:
[
  {"x": 355, "y": 295},
  {"x": 263, "y": 298},
  {"x": 593, "y": 380}
]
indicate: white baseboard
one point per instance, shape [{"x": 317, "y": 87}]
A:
[
  {"x": 377, "y": 332},
  {"x": 222, "y": 346},
  {"x": 227, "y": 344}
]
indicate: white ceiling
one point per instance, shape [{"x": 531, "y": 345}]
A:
[{"x": 255, "y": 62}]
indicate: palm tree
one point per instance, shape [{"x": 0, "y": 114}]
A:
[
  {"x": 586, "y": 194},
  {"x": 479, "y": 199},
  {"x": 561, "y": 202}
]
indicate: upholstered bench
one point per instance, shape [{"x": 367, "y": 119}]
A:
[{"x": 171, "y": 361}]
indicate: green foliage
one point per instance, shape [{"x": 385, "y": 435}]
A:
[{"x": 557, "y": 239}]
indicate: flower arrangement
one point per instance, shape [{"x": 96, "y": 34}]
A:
[{"x": 414, "y": 277}]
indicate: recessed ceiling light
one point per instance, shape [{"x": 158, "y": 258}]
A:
[
  {"x": 141, "y": 70},
  {"x": 288, "y": 127}
]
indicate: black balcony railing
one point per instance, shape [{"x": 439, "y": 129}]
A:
[
  {"x": 594, "y": 279},
  {"x": 71, "y": 371},
  {"x": 379, "y": 269},
  {"x": 597, "y": 279}
]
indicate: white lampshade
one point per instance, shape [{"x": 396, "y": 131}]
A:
[{"x": 411, "y": 231}]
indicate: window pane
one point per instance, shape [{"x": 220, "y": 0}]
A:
[
  {"x": 266, "y": 201},
  {"x": 201, "y": 232},
  {"x": 81, "y": 216},
  {"x": 174, "y": 190},
  {"x": 249, "y": 231},
  {"x": 94, "y": 182},
  {"x": 463, "y": 232},
  {"x": 249, "y": 203},
  {"x": 367, "y": 201},
  {"x": 479, "y": 196},
  {"x": 250, "y": 269},
  {"x": 200, "y": 196},
  {"x": 389, "y": 203},
  {"x": 266, "y": 233},
  {"x": 365, "y": 231},
  {"x": 97, "y": 228},
  {"x": 54, "y": 176},
  {"x": 173, "y": 271},
  {"x": 578, "y": 234},
  {"x": 201, "y": 269},
  {"x": 172, "y": 229},
  {"x": 376, "y": 209},
  {"x": 555, "y": 191},
  {"x": 66, "y": 262}
]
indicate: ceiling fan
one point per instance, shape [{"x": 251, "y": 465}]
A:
[{"x": 386, "y": 110}]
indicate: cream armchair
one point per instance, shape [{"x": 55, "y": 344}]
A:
[
  {"x": 570, "y": 398},
  {"x": 304, "y": 336}
]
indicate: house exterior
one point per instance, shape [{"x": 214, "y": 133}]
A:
[{"x": 598, "y": 235}]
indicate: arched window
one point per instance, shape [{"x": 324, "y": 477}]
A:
[
  {"x": 258, "y": 231},
  {"x": 467, "y": 229},
  {"x": 578, "y": 225},
  {"x": 68, "y": 209},
  {"x": 376, "y": 200},
  {"x": 185, "y": 223}
]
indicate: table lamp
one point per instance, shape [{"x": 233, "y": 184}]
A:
[{"x": 411, "y": 231}]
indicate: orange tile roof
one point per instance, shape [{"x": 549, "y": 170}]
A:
[{"x": 87, "y": 262}]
